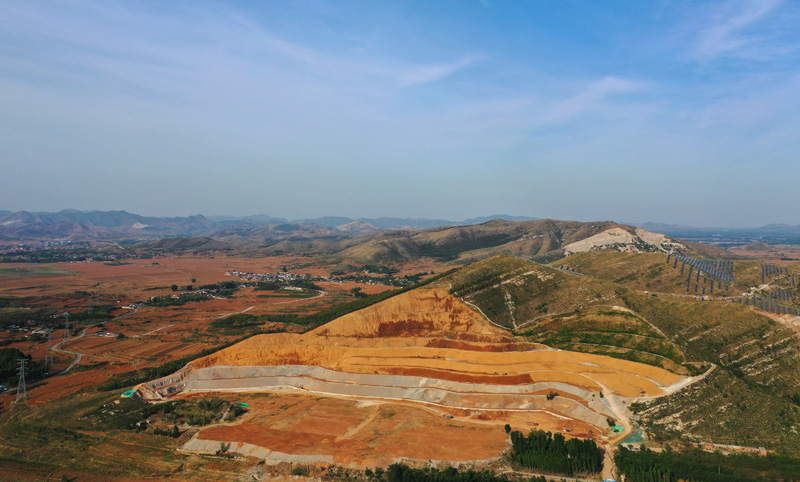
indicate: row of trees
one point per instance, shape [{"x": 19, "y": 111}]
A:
[
  {"x": 697, "y": 465},
  {"x": 404, "y": 473},
  {"x": 553, "y": 453}
]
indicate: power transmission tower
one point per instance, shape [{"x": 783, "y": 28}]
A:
[
  {"x": 66, "y": 326},
  {"x": 22, "y": 390},
  {"x": 48, "y": 358}
]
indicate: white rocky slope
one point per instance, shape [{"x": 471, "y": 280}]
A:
[{"x": 619, "y": 239}]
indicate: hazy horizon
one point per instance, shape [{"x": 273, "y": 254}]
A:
[
  {"x": 454, "y": 220},
  {"x": 653, "y": 111}
]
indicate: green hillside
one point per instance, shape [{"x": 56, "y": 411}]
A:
[
  {"x": 756, "y": 358},
  {"x": 542, "y": 240}
]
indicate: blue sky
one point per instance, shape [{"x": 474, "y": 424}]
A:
[{"x": 673, "y": 111}]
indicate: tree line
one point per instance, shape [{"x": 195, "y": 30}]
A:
[
  {"x": 404, "y": 473},
  {"x": 553, "y": 453},
  {"x": 696, "y": 465}
]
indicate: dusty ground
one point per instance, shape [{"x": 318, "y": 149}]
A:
[{"x": 361, "y": 433}]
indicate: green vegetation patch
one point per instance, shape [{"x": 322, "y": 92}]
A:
[
  {"x": 753, "y": 347},
  {"x": 93, "y": 435},
  {"x": 34, "y": 271},
  {"x": 552, "y": 453},
  {"x": 404, "y": 473},
  {"x": 671, "y": 466},
  {"x": 513, "y": 292},
  {"x": 21, "y": 316},
  {"x": 612, "y": 333},
  {"x": 722, "y": 408},
  {"x": 9, "y": 363}
]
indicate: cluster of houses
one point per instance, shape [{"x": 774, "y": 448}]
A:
[
  {"x": 24, "y": 247},
  {"x": 282, "y": 276}
]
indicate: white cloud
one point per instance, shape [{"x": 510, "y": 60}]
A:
[{"x": 728, "y": 32}]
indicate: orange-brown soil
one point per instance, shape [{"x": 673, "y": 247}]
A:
[
  {"x": 360, "y": 434},
  {"x": 399, "y": 336},
  {"x": 430, "y": 335}
]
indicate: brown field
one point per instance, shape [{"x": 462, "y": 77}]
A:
[
  {"x": 360, "y": 433},
  {"x": 154, "y": 335}
]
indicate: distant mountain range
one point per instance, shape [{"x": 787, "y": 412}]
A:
[
  {"x": 264, "y": 230},
  {"x": 379, "y": 223},
  {"x": 114, "y": 225},
  {"x": 72, "y": 224}
]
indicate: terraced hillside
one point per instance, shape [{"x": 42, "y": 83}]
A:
[
  {"x": 755, "y": 352},
  {"x": 513, "y": 292},
  {"x": 614, "y": 332}
]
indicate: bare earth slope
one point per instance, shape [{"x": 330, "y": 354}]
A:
[{"x": 428, "y": 348}]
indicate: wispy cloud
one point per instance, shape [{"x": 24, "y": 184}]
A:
[
  {"x": 732, "y": 27},
  {"x": 592, "y": 95},
  {"x": 424, "y": 74}
]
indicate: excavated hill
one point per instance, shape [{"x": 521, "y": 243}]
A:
[
  {"x": 542, "y": 240},
  {"x": 424, "y": 346}
]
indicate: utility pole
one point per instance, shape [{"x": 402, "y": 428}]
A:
[{"x": 22, "y": 390}]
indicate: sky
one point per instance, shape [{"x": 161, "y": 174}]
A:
[{"x": 683, "y": 112}]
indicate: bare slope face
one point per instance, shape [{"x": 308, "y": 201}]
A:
[
  {"x": 426, "y": 347},
  {"x": 541, "y": 240}
]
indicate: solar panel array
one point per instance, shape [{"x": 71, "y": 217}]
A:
[
  {"x": 782, "y": 294},
  {"x": 772, "y": 270},
  {"x": 769, "y": 305},
  {"x": 717, "y": 271}
]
